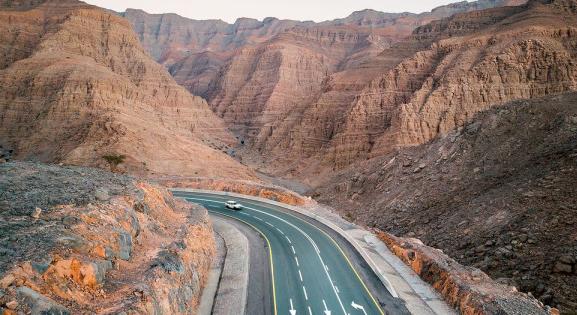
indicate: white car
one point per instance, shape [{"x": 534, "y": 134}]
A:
[{"x": 233, "y": 205}]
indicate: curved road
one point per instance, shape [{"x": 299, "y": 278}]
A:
[{"x": 310, "y": 272}]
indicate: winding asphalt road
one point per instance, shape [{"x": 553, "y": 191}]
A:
[{"x": 310, "y": 272}]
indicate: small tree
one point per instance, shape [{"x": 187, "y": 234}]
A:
[{"x": 114, "y": 160}]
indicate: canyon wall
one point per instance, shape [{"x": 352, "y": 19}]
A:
[
  {"x": 472, "y": 65},
  {"x": 77, "y": 85},
  {"x": 286, "y": 88},
  {"x": 78, "y": 240}
]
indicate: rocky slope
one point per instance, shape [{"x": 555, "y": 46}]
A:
[
  {"x": 283, "y": 85},
  {"x": 477, "y": 60},
  {"x": 498, "y": 194},
  {"x": 79, "y": 240},
  {"x": 428, "y": 84},
  {"x": 317, "y": 98},
  {"x": 75, "y": 85}
]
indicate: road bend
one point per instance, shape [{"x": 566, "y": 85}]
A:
[{"x": 311, "y": 274}]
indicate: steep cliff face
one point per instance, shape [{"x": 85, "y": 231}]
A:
[
  {"x": 76, "y": 85},
  {"x": 494, "y": 194},
  {"x": 264, "y": 91}
]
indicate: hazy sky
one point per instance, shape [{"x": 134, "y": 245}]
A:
[{"x": 230, "y": 10}]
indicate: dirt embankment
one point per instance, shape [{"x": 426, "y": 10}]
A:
[
  {"x": 237, "y": 186},
  {"x": 80, "y": 240},
  {"x": 498, "y": 194}
]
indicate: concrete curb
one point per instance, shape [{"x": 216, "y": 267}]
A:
[
  {"x": 399, "y": 279},
  {"x": 232, "y": 289}
]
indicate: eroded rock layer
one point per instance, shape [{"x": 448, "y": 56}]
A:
[
  {"x": 528, "y": 52},
  {"x": 286, "y": 88},
  {"x": 75, "y": 84}
]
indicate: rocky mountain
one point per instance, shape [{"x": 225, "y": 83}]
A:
[
  {"x": 498, "y": 193},
  {"x": 292, "y": 89},
  {"x": 475, "y": 61},
  {"x": 430, "y": 83},
  {"x": 76, "y": 85}
]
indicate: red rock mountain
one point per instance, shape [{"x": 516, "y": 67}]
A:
[
  {"x": 75, "y": 84},
  {"x": 292, "y": 91}
]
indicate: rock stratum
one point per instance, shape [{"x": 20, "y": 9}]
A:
[
  {"x": 75, "y": 85},
  {"x": 77, "y": 240},
  {"x": 309, "y": 98},
  {"x": 498, "y": 194}
]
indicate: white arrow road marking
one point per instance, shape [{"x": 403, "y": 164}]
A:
[
  {"x": 292, "y": 310},
  {"x": 311, "y": 241},
  {"x": 358, "y": 307},
  {"x": 318, "y": 252},
  {"x": 327, "y": 312}
]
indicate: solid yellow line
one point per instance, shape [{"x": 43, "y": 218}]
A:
[
  {"x": 344, "y": 255},
  {"x": 354, "y": 270},
  {"x": 270, "y": 255}
]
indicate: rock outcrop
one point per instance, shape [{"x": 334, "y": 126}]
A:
[
  {"x": 80, "y": 240},
  {"x": 494, "y": 194},
  {"x": 75, "y": 85}
]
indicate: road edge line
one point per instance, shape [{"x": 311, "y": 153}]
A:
[{"x": 270, "y": 256}]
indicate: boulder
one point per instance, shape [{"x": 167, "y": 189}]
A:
[
  {"x": 40, "y": 304},
  {"x": 561, "y": 267},
  {"x": 101, "y": 194}
]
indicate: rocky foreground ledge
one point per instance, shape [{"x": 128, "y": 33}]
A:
[{"x": 80, "y": 240}]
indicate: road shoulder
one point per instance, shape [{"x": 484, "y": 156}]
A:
[{"x": 226, "y": 291}]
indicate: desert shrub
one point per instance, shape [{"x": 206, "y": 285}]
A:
[{"x": 114, "y": 160}]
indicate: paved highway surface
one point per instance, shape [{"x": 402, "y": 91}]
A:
[{"x": 310, "y": 272}]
